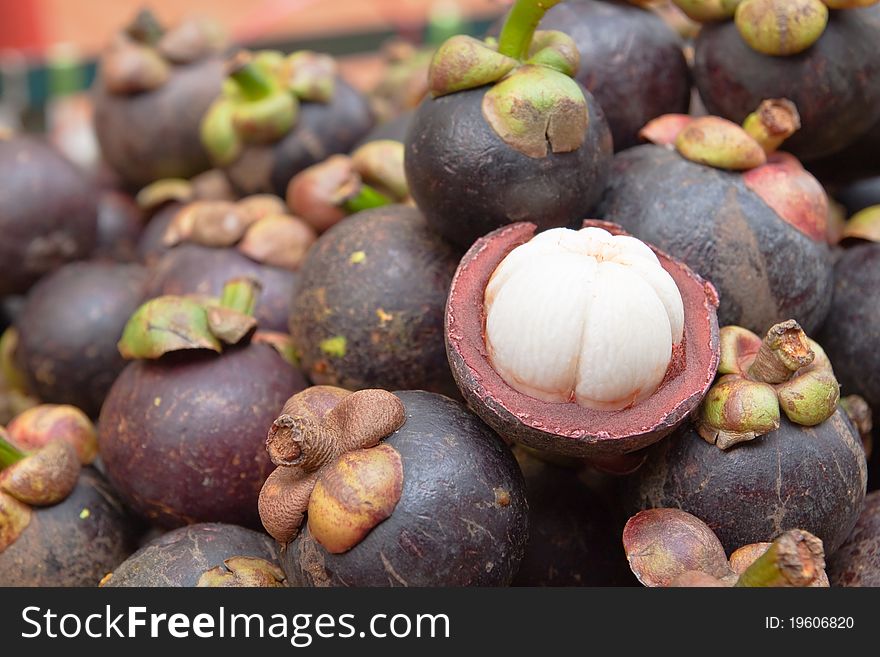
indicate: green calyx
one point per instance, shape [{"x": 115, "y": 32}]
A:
[
  {"x": 864, "y": 225},
  {"x": 534, "y": 99},
  {"x": 781, "y": 27},
  {"x": 261, "y": 97},
  {"x": 707, "y": 11},
  {"x": 175, "y": 323},
  {"x": 719, "y": 143},
  {"x": 9, "y": 453},
  {"x": 786, "y": 372}
]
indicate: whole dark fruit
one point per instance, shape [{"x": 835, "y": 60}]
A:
[
  {"x": 73, "y": 543},
  {"x": 368, "y": 310},
  {"x": 68, "y": 329},
  {"x": 181, "y": 557},
  {"x": 48, "y": 213},
  {"x": 811, "y": 478},
  {"x": 462, "y": 502}
]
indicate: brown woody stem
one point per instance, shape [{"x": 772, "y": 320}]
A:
[
  {"x": 783, "y": 352},
  {"x": 795, "y": 559}
]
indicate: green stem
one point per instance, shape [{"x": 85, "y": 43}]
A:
[
  {"x": 252, "y": 81},
  {"x": 519, "y": 28},
  {"x": 241, "y": 294},
  {"x": 795, "y": 559},
  {"x": 9, "y": 453},
  {"x": 366, "y": 198},
  {"x": 145, "y": 28}
]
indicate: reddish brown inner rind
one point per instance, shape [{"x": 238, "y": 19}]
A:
[{"x": 566, "y": 428}]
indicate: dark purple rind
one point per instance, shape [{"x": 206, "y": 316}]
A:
[
  {"x": 569, "y": 429},
  {"x": 631, "y": 61},
  {"x": 321, "y": 130},
  {"x": 857, "y": 161},
  {"x": 835, "y": 83},
  {"x": 766, "y": 270},
  {"x": 119, "y": 227},
  {"x": 394, "y": 129},
  {"x": 150, "y": 248},
  {"x": 857, "y": 562},
  {"x": 388, "y": 307},
  {"x": 810, "y": 478},
  {"x": 68, "y": 328},
  {"x": 156, "y": 134},
  {"x": 462, "y": 518},
  {"x": 195, "y": 269},
  {"x": 183, "y": 437},
  {"x": 862, "y": 193},
  {"x": 468, "y": 182},
  {"x": 73, "y": 543},
  {"x": 180, "y": 557},
  {"x": 48, "y": 213}
]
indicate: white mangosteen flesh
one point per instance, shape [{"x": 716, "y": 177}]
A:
[{"x": 583, "y": 316}]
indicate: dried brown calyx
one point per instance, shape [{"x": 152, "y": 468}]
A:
[
  {"x": 372, "y": 176},
  {"x": 786, "y": 371},
  {"x": 36, "y": 427},
  {"x": 178, "y": 323},
  {"x": 238, "y": 572},
  {"x": 534, "y": 104},
  {"x": 672, "y": 548},
  {"x": 261, "y": 98},
  {"x": 258, "y": 226},
  {"x": 141, "y": 58},
  {"x": 325, "y": 446}
]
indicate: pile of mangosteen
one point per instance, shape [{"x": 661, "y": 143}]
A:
[{"x": 599, "y": 304}]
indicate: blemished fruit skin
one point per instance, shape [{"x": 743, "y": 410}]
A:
[
  {"x": 765, "y": 269},
  {"x": 835, "y": 84},
  {"x": 812, "y": 478},
  {"x": 321, "y": 130},
  {"x": 196, "y": 269},
  {"x": 469, "y": 182},
  {"x": 462, "y": 518},
  {"x": 153, "y": 135},
  {"x": 180, "y": 557},
  {"x": 48, "y": 213},
  {"x": 631, "y": 61},
  {"x": 857, "y": 562},
  {"x": 368, "y": 310},
  {"x": 73, "y": 543},
  {"x": 68, "y": 328},
  {"x": 182, "y": 437}
]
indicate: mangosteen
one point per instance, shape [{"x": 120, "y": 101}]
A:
[
  {"x": 151, "y": 91},
  {"x": 630, "y": 60},
  {"x": 749, "y": 219},
  {"x": 857, "y": 562},
  {"x": 439, "y": 502},
  {"x": 860, "y": 195},
  {"x": 368, "y": 310},
  {"x": 60, "y": 523},
  {"x": 581, "y": 343},
  {"x": 394, "y": 129},
  {"x": 826, "y": 62},
  {"x": 210, "y": 242},
  {"x": 280, "y": 114},
  {"x": 850, "y": 166},
  {"x": 507, "y": 134},
  {"x": 48, "y": 212},
  {"x": 119, "y": 227},
  {"x": 182, "y": 427},
  {"x": 573, "y": 536},
  {"x": 769, "y": 450},
  {"x": 68, "y": 329},
  {"x": 372, "y": 176},
  {"x": 205, "y": 554}
]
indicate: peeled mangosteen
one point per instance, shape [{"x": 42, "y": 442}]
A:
[
  {"x": 507, "y": 134},
  {"x": 631, "y": 61},
  {"x": 573, "y": 535},
  {"x": 857, "y": 562},
  {"x": 68, "y": 329},
  {"x": 181, "y": 431},
  {"x": 210, "y": 242},
  {"x": 60, "y": 524},
  {"x": 439, "y": 502},
  {"x": 834, "y": 81},
  {"x": 752, "y": 223},
  {"x": 368, "y": 310},
  {"x": 151, "y": 91},
  {"x": 770, "y": 450},
  {"x": 280, "y": 114},
  {"x": 205, "y": 554},
  {"x": 48, "y": 213},
  {"x": 581, "y": 343}
]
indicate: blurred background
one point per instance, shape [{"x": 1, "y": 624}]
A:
[{"x": 48, "y": 47}]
